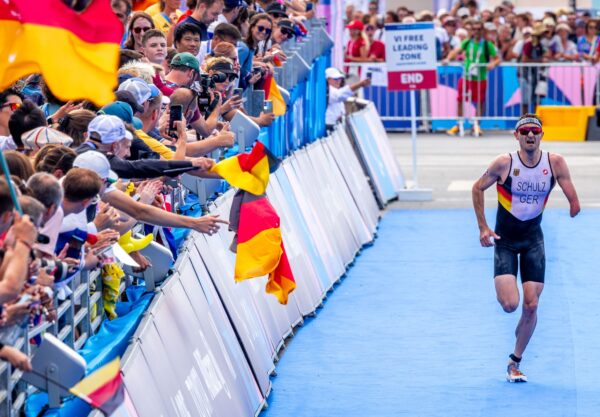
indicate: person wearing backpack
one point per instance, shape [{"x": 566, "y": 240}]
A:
[{"x": 477, "y": 50}]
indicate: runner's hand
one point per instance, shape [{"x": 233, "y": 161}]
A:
[{"x": 484, "y": 237}]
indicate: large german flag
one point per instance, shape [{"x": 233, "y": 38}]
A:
[
  {"x": 103, "y": 388},
  {"x": 77, "y": 53},
  {"x": 259, "y": 245},
  {"x": 248, "y": 171}
]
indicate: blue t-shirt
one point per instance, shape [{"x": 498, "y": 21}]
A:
[{"x": 201, "y": 27}]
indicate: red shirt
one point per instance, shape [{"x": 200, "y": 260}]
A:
[
  {"x": 353, "y": 48},
  {"x": 377, "y": 50}
]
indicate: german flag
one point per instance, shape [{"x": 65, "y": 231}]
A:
[
  {"x": 504, "y": 197},
  {"x": 76, "y": 52},
  {"x": 103, "y": 388},
  {"x": 272, "y": 93},
  {"x": 259, "y": 245},
  {"x": 249, "y": 171}
]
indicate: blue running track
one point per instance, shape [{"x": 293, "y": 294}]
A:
[{"x": 415, "y": 328}]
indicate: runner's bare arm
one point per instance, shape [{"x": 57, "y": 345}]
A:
[
  {"x": 563, "y": 177},
  {"x": 492, "y": 175}
]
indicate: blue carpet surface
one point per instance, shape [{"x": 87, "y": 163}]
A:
[{"x": 415, "y": 328}]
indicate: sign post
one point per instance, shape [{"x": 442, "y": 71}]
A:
[{"x": 411, "y": 63}]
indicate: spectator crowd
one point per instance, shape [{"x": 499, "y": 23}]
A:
[
  {"x": 84, "y": 176},
  {"x": 562, "y": 35},
  {"x": 480, "y": 39}
]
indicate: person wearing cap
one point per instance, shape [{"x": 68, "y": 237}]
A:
[
  {"x": 206, "y": 12},
  {"x": 338, "y": 94},
  {"x": 141, "y": 90},
  {"x": 25, "y": 117},
  {"x": 107, "y": 134},
  {"x": 284, "y": 31},
  {"x": 276, "y": 11},
  {"x": 524, "y": 180},
  {"x": 450, "y": 26},
  {"x": 185, "y": 69},
  {"x": 357, "y": 48},
  {"x": 146, "y": 213},
  {"x": 480, "y": 57},
  {"x": 37, "y": 138},
  {"x": 223, "y": 67},
  {"x": 231, "y": 10},
  {"x": 549, "y": 32},
  {"x": 563, "y": 49}
]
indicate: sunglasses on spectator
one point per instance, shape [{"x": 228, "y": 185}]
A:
[
  {"x": 262, "y": 29},
  {"x": 287, "y": 33},
  {"x": 12, "y": 106},
  {"x": 526, "y": 130},
  {"x": 370, "y": 28},
  {"x": 230, "y": 76},
  {"x": 140, "y": 30}
]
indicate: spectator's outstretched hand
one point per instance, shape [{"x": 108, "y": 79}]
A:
[
  {"x": 16, "y": 358},
  {"x": 208, "y": 224}
]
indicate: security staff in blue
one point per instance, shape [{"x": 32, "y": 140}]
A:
[{"x": 523, "y": 180}]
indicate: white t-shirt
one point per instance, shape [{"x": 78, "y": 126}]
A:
[
  {"x": 335, "y": 108},
  {"x": 51, "y": 229}
]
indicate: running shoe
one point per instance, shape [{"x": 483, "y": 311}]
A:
[
  {"x": 513, "y": 374},
  {"x": 477, "y": 131},
  {"x": 453, "y": 131}
]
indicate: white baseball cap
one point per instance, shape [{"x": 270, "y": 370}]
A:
[
  {"x": 97, "y": 162},
  {"x": 334, "y": 73},
  {"x": 108, "y": 129},
  {"x": 141, "y": 90},
  {"x": 43, "y": 135}
]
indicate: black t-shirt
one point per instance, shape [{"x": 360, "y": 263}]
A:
[{"x": 201, "y": 27}]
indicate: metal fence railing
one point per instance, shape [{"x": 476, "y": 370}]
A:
[{"x": 511, "y": 89}]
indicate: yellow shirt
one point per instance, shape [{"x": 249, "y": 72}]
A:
[
  {"x": 154, "y": 9},
  {"x": 161, "y": 21},
  {"x": 155, "y": 145}
]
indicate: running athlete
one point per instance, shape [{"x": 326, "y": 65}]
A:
[{"x": 523, "y": 180}]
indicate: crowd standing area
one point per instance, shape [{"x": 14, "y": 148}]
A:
[
  {"x": 544, "y": 59},
  {"x": 83, "y": 177}
]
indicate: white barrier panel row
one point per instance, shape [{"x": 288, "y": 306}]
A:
[
  {"x": 377, "y": 154},
  {"x": 207, "y": 345}
]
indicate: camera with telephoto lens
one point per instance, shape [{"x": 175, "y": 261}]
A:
[
  {"x": 203, "y": 87},
  {"x": 58, "y": 269}
]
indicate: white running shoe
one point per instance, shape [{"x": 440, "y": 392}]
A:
[{"x": 513, "y": 374}]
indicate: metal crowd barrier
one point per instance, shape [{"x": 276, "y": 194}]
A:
[
  {"x": 512, "y": 88},
  {"x": 81, "y": 313}
]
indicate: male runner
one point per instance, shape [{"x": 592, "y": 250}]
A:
[{"x": 524, "y": 180}]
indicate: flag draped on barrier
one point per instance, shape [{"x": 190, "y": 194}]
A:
[
  {"x": 258, "y": 243},
  {"x": 103, "y": 388},
  {"x": 76, "y": 52},
  {"x": 249, "y": 171}
]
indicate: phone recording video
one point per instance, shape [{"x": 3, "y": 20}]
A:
[{"x": 175, "y": 114}]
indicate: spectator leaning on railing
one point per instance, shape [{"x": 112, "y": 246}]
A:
[{"x": 337, "y": 94}]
